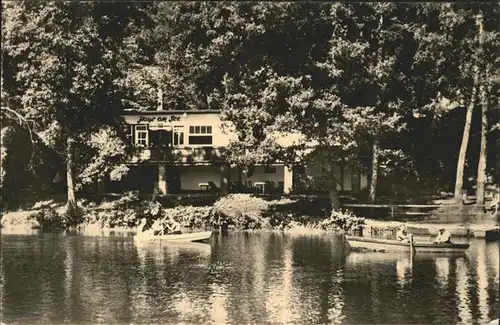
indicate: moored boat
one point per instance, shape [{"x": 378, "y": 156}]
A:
[
  {"x": 379, "y": 244},
  {"x": 185, "y": 237}
]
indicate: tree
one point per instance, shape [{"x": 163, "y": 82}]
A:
[
  {"x": 65, "y": 68},
  {"x": 272, "y": 63},
  {"x": 365, "y": 63},
  {"x": 489, "y": 47},
  {"x": 107, "y": 162},
  {"x": 458, "y": 48}
]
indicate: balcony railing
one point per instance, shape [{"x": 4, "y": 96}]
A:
[{"x": 185, "y": 155}]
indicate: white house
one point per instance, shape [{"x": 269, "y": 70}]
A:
[{"x": 177, "y": 151}]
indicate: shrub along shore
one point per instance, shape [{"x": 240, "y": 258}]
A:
[{"x": 237, "y": 212}]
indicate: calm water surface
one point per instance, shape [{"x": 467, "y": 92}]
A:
[{"x": 240, "y": 278}]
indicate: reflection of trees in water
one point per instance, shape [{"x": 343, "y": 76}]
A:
[
  {"x": 482, "y": 285},
  {"x": 316, "y": 278},
  {"x": 264, "y": 280},
  {"x": 218, "y": 302},
  {"x": 243, "y": 278},
  {"x": 404, "y": 270},
  {"x": 391, "y": 285},
  {"x": 31, "y": 283},
  {"x": 442, "y": 272},
  {"x": 336, "y": 299},
  {"x": 493, "y": 261},
  {"x": 98, "y": 279},
  {"x": 462, "y": 291},
  {"x": 173, "y": 282},
  {"x": 280, "y": 300}
]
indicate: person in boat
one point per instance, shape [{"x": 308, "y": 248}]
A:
[
  {"x": 156, "y": 228},
  {"x": 444, "y": 236},
  {"x": 402, "y": 234},
  {"x": 172, "y": 227}
]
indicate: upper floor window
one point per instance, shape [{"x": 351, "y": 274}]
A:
[
  {"x": 127, "y": 133},
  {"x": 200, "y": 134},
  {"x": 141, "y": 135},
  {"x": 178, "y": 135}
]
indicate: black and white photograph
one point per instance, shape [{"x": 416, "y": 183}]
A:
[{"x": 248, "y": 162}]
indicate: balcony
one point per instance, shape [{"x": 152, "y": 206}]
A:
[{"x": 176, "y": 155}]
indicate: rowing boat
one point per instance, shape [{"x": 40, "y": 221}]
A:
[
  {"x": 186, "y": 237},
  {"x": 379, "y": 244}
]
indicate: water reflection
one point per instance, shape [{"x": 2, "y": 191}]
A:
[
  {"x": 404, "y": 267},
  {"x": 442, "y": 271},
  {"x": 240, "y": 278},
  {"x": 462, "y": 288},
  {"x": 336, "y": 299},
  {"x": 482, "y": 285},
  {"x": 218, "y": 303},
  {"x": 279, "y": 302}
]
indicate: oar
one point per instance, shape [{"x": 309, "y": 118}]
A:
[{"x": 412, "y": 247}]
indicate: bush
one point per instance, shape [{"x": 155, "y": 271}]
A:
[
  {"x": 247, "y": 212},
  {"x": 127, "y": 200},
  {"x": 49, "y": 220},
  {"x": 236, "y": 205},
  {"x": 59, "y": 217},
  {"x": 343, "y": 220},
  {"x": 193, "y": 217},
  {"x": 238, "y": 211}
]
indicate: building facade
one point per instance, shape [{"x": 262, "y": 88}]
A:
[{"x": 174, "y": 152}]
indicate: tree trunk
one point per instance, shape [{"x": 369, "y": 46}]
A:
[
  {"x": 373, "y": 182},
  {"x": 69, "y": 172},
  {"x": 334, "y": 196},
  {"x": 459, "y": 180},
  {"x": 481, "y": 168}
]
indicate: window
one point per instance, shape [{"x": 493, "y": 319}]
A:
[
  {"x": 269, "y": 170},
  {"x": 127, "y": 132},
  {"x": 141, "y": 135},
  {"x": 178, "y": 135},
  {"x": 205, "y": 129},
  {"x": 200, "y": 134}
]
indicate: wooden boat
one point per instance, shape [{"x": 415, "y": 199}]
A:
[
  {"x": 157, "y": 249},
  {"x": 488, "y": 234},
  {"x": 379, "y": 244},
  {"x": 185, "y": 237}
]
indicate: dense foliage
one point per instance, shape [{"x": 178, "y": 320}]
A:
[
  {"x": 63, "y": 66},
  {"x": 407, "y": 91},
  {"x": 384, "y": 81}
]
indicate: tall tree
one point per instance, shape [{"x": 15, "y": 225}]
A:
[
  {"x": 488, "y": 53},
  {"x": 458, "y": 47},
  {"x": 66, "y": 72},
  {"x": 367, "y": 77}
]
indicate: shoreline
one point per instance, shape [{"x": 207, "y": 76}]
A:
[
  {"x": 458, "y": 229},
  {"x": 240, "y": 212},
  {"x": 467, "y": 230}
]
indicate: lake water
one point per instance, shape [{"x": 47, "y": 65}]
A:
[{"x": 240, "y": 278}]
